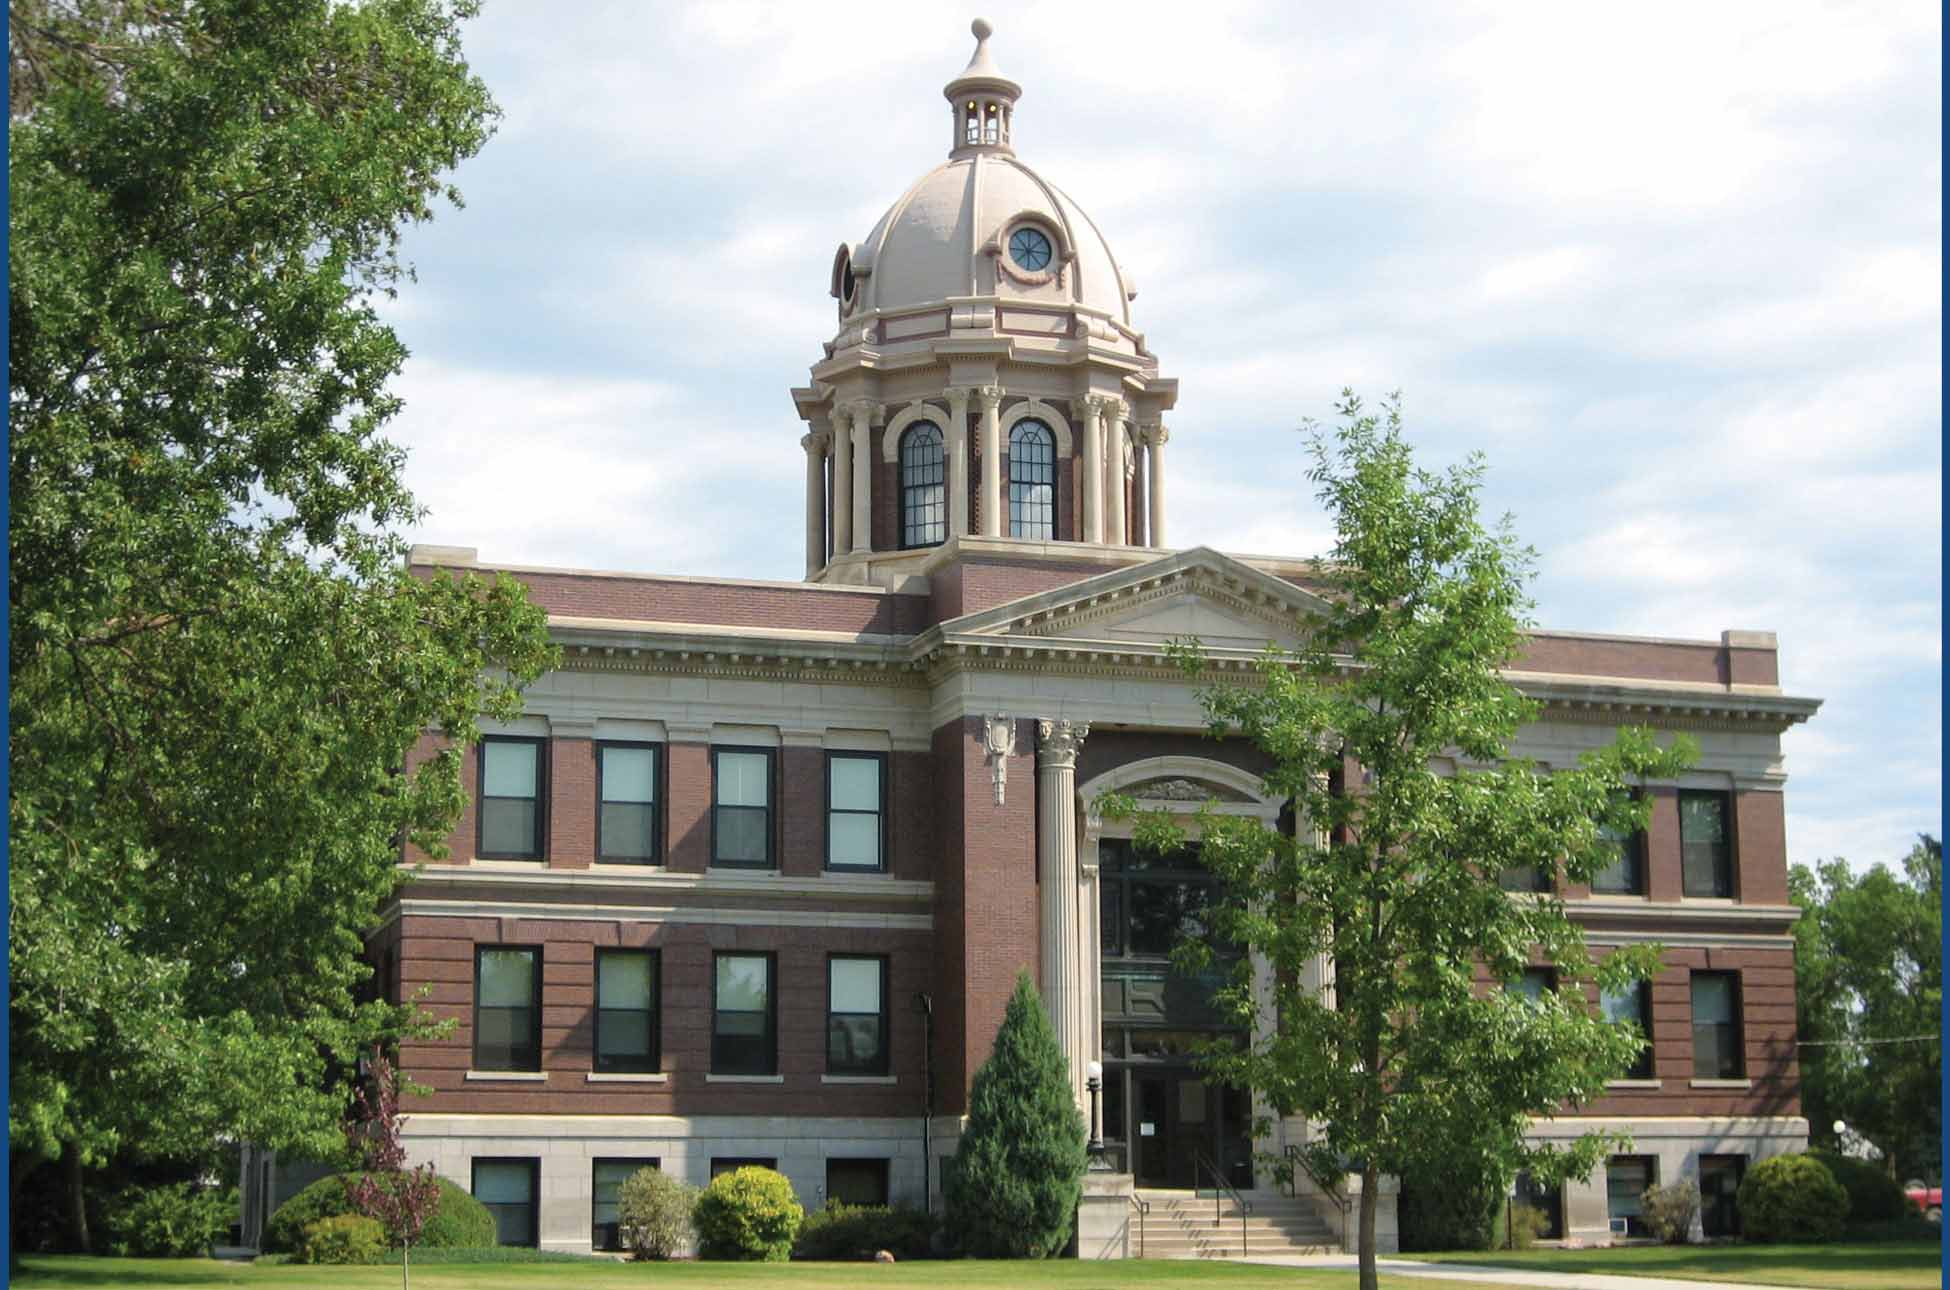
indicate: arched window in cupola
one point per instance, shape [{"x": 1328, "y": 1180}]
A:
[
  {"x": 924, "y": 497},
  {"x": 1032, "y": 481}
]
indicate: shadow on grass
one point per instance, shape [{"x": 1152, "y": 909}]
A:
[{"x": 77, "y": 1271}]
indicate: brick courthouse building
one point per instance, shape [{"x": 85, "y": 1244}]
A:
[{"x": 752, "y": 878}]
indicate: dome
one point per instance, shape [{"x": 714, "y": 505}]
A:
[
  {"x": 983, "y": 225},
  {"x": 951, "y": 235}
]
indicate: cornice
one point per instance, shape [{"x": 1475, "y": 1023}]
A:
[{"x": 591, "y": 886}]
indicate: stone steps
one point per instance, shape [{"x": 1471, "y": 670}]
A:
[{"x": 1181, "y": 1226}]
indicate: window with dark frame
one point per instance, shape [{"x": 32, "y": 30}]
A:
[
  {"x": 606, "y": 1179},
  {"x": 924, "y": 493},
  {"x": 744, "y": 1015},
  {"x": 507, "y": 1008},
  {"x": 1525, "y": 877},
  {"x": 1626, "y": 1181},
  {"x": 856, "y": 1181},
  {"x": 1719, "y": 1187},
  {"x": 856, "y": 795},
  {"x": 1032, "y": 481},
  {"x": 509, "y": 814},
  {"x": 1534, "y": 984},
  {"x": 626, "y": 1010},
  {"x": 1624, "y": 876},
  {"x": 741, "y": 816},
  {"x": 1716, "y": 1026},
  {"x": 856, "y": 1015},
  {"x": 1705, "y": 850},
  {"x": 628, "y": 825},
  {"x": 507, "y": 1187},
  {"x": 1546, "y": 1198},
  {"x": 1633, "y": 1004}
]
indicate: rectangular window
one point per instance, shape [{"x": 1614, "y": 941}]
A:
[
  {"x": 507, "y": 1188},
  {"x": 741, "y": 817},
  {"x": 744, "y": 1025},
  {"x": 856, "y": 1182},
  {"x": 626, "y": 1010},
  {"x": 1624, "y": 876},
  {"x": 856, "y": 792},
  {"x": 1626, "y": 1179},
  {"x": 1528, "y": 877},
  {"x": 507, "y": 1008},
  {"x": 512, "y": 775},
  {"x": 1706, "y": 858},
  {"x": 1632, "y": 1004},
  {"x": 1534, "y": 984},
  {"x": 725, "y": 1164},
  {"x": 1716, "y": 1026},
  {"x": 1719, "y": 1184},
  {"x": 1546, "y": 1199},
  {"x": 605, "y": 1187},
  {"x": 627, "y": 827},
  {"x": 856, "y": 1016}
]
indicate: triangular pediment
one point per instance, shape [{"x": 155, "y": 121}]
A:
[{"x": 1224, "y": 602}]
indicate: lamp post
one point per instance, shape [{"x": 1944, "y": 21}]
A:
[{"x": 1094, "y": 1081}]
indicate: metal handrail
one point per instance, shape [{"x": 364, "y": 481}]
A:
[
  {"x": 1329, "y": 1187},
  {"x": 1143, "y": 1207},
  {"x": 1202, "y": 1161}
]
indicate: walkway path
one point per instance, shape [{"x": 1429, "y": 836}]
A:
[{"x": 1550, "y": 1280}]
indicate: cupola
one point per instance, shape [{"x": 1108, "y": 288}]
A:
[{"x": 983, "y": 99}]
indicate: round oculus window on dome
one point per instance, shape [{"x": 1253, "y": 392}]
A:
[{"x": 1030, "y": 249}]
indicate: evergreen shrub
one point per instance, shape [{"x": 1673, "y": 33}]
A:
[
  {"x": 459, "y": 1221},
  {"x": 1791, "y": 1198},
  {"x": 653, "y": 1214},
  {"x": 842, "y": 1233},
  {"x": 1451, "y": 1205},
  {"x": 1018, "y": 1171},
  {"x": 749, "y": 1214},
  {"x": 1873, "y": 1196},
  {"x": 342, "y": 1238}
]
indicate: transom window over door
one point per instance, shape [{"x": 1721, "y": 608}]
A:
[
  {"x": 626, "y": 828},
  {"x": 510, "y": 808},
  {"x": 1032, "y": 481},
  {"x": 924, "y": 515},
  {"x": 741, "y": 824},
  {"x": 855, "y": 797}
]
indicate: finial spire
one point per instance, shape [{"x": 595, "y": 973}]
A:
[{"x": 984, "y": 99}]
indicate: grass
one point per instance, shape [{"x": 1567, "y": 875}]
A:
[
  {"x": 67, "y": 1272},
  {"x": 1887, "y": 1265}
]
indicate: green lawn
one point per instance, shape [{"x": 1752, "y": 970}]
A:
[
  {"x": 1892, "y": 1265},
  {"x": 72, "y": 1273}
]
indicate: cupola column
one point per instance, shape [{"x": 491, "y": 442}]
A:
[
  {"x": 1057, "y": 745},
  {"x": 842, "y": 482},
  {"x": 990, "y": 399},
  {"x": 1094, "y": 407},
  {"x": 815, "y": 446},
  {"x": 957, "y": 460},
  {"x": 1115, "y": 531},
  {"x": 863, "y": 413},
  {"x": 1155, "y": 438}
]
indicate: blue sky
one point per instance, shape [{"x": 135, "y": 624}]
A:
[{"x": 1674, "y": 268}]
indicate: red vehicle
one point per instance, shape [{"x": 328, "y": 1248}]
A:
[{"x": 1928, "y": 1199}]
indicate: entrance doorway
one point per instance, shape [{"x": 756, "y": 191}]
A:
[{"x": 1177, "y": 1116}]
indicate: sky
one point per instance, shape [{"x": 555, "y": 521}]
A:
[{"x": 1674, "y": 269}]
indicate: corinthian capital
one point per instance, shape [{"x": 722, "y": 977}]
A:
[
  {"x": 1099, "y": 405},
  {"x": 815, "y": 442},
  {"x": 1058, "y": 742},
  {"x": 1154, "y": 433},
  {"x": 861, "y": 411},
  {"x": 989, "y": 397}
]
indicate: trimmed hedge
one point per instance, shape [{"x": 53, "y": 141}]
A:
[
  {"x": 749, "y": 1214},
  {"x": 842, "y": 1233},
  {"x": 1791, "y": 1198},
  {"x": 1873, "y": 1196},
  {"x": 460, "y": 1220},
  {"x": 343, "y": 1238}
]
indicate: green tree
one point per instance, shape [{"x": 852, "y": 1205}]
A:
[
  {"x": 1397, "y": 876},
  {"x": 1868, "y": 977},
  {"x": 219, "y": 662},
  {"x": 1017, "y": 1177}
]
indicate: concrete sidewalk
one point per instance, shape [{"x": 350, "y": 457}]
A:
[{"x": 1546, "y": 1280}]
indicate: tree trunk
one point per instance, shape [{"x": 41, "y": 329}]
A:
[
  {"x": 405, "y": 1258},
  {"x": 1370, "y": 1180},
  {"x": 73, "y": 1200}
]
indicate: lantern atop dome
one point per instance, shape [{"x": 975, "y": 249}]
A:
[{"x": 983, "y": 99}]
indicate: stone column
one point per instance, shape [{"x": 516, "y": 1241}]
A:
[
  {"x": 1155, "y": 438},
  {"x": 815, "y": 446},
  {"x": 1116, "y": 529},
  {"x": 989, "y": 399},
  {"x": 864, "y": 412},
  {"x": 1092, "y": 420},
  {"x": 1057, "y": 744},
  {"x": 957, "y": 460},
  {"x": 842, "y": 483}
]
